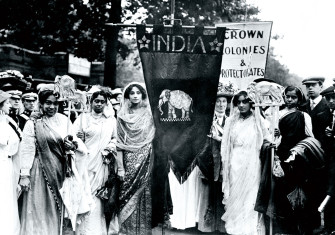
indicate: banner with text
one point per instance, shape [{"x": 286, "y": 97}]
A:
[{"x": 245, "y": 52}]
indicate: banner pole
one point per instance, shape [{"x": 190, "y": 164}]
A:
[{"x": 172, "y": 10}]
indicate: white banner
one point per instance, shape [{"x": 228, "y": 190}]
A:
[
  {"x": 79, "y": 66},
  {"x": 245, "y": 52}
]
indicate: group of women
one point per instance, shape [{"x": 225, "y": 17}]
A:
[
  {"x": 250, "y": 200},
  {"x": 65, "y": 168},
  {"x": 73, "y": 175}
]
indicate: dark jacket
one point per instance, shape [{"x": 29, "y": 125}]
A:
[{"x": 321, "y": 118}]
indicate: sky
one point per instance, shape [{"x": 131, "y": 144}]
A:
[{"x": 307, "y": 34}]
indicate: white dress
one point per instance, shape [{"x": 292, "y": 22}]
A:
[
  {"x": 244, "y": 177},
  {"x": 100, "y": 133},
  {"x": 185, "y": 199},
  {"x": 9, "y": 216}
]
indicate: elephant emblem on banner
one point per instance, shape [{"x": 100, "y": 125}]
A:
[
  {"x": 266, "y": 93},
  {"x": 176, "y": 99}
]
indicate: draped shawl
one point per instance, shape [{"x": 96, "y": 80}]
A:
[
  {"x": 49, "y": 144},
  {"x": 227, "y": 144},
  {"x": 134, "y": 129}
]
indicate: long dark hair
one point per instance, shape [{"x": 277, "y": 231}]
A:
[
  {"x": 300, "y": 94},
  {"x": 238, "y": 95},
  {"x": 43, "y": 95},
  {"x": 97, "y": 93},
  {"x": 129, "y": 88}
]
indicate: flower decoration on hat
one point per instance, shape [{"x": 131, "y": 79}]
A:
[{"x": 226, "y": 89}]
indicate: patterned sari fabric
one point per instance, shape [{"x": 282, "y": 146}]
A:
[
  {"x": 135, "y": 132},
  {"x": 42, "y": 203},
  {"x": 135, "y": 195}
]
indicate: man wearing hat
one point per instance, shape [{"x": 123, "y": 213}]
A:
[
  {"x": 15, "y": 101},
  {"x": 317, "y": 107},
  {"x": 28, "y": 100}
]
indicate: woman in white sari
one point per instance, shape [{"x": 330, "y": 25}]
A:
[
  {"x": 9, "y": 142},
  {"x": 242, "y": 139},
  {"x": 98, "y": 131}
]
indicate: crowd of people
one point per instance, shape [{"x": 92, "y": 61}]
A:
[{"x": 92, "y": 174}]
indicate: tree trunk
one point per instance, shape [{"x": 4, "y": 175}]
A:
[{"x": 111, "y": 37}]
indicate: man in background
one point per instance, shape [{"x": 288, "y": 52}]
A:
[{"x": 29, "y": 102}]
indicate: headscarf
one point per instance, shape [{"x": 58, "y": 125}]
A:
[{"x": 134, "y": 130}]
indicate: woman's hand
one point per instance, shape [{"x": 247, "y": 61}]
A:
[
  {"x": 69, "y": 143},
  {"x": 25, "y": 183},
  {"x": 81, "y": 135}
]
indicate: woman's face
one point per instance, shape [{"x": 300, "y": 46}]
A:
[
  {"x": 6, "y": 106},
  {"x": 98, "y": 104},
  {"x": 135, "y": 95},
  {"x": 221, "y": 104},
  {"x": 50, "y": 106},
  {"x": 243, "y": 104},
  {"x": 291, "y": 99}
]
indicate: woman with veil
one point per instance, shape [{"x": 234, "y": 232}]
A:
[
  {"x": 135, "y": 132},
  {"x": 243, "y": 136}
]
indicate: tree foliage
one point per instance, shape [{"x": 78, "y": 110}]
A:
[
  {"x": 280, "y": 73},
  {"x": 78, "y": 27}
]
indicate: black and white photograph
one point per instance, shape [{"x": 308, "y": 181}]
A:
[{"x": 170, "y": 117}]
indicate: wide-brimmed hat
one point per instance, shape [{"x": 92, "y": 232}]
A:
[{"x": 4, "y": 96}]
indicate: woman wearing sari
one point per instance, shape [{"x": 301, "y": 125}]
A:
[
  {"x": 243, "y": 136},
  {"x": 9, "y": 143},
  {"x": 98, "y": 131},
  {"x": 44, "y": 166},
  {"x": 294, "y": 127},
  {"x": 135, "y": 132}
]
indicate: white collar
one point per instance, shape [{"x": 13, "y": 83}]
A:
[{"x": 316, "y": 100}]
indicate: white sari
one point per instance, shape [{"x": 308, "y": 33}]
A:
[
  {"x": 100, "y": 134},
  {"x": 240, "y": 149}
]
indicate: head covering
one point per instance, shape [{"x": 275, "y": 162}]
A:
[
  {"x": 313, "y": 80},
  {"x": 226, "y": 90},
  {"x": 4, "y": 96},
  {"x": 15, "y": 94},
  {"x": 329, "y": 91},
  {"x": 30, "y": 96},
  {"x": 228, "y": 142},
  {"x": 257, "y": 80},
  {"x": 135, "y": 129},
  {"x": 45, "y": 87}
]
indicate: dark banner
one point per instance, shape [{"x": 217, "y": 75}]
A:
[{"x": 181, "y": 71}]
